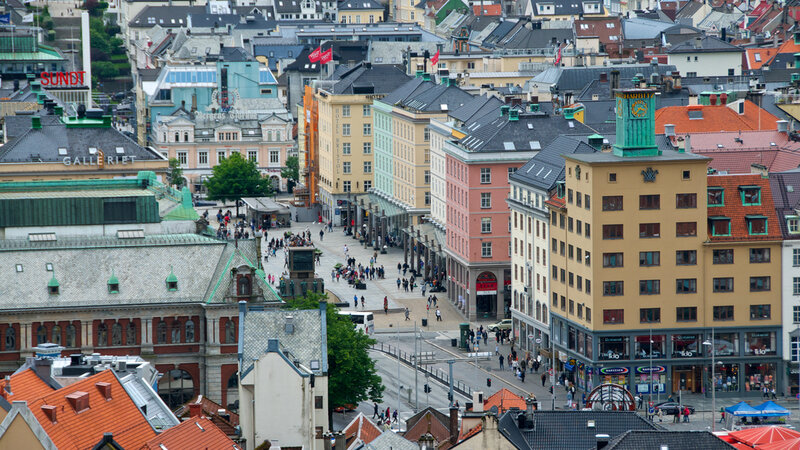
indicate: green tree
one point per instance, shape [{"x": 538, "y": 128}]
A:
[
  {"x": 236, "y": 177},
  {"x": 175, "y": 174},
  {"x": 352, "y": 376},
  {"x": 292, "y": 169}
]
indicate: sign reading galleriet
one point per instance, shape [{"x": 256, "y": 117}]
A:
[
  {"x": 95, "y": 161},
  {"x": 62, "y": 79}
]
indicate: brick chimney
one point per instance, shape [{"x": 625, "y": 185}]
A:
[
  {"x": 195, "y": 409},
  {"x": 78, "y": 400},
  {"x": 105, "y": 389},
  {"x": 453, "y": 425},
  {"x": 50, "y": 412}
]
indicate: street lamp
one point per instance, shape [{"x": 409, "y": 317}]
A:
[
  {"x": 651, "y": 364},
  {"x": 713, "y": 381}
]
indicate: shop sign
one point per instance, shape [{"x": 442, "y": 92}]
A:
[
  {"x": 589, "y": 370},
  {"x": 613, "y": 370},
  {"x": 62, "y": 78},
  {"x": 648, "y": 369},
  {"x": 93, "y": 160},
  {"x": 486, "y": 284},
  {"x": 570, "y": 365}
]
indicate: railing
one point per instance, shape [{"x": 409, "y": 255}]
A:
[{"x": 438, "y": 374}]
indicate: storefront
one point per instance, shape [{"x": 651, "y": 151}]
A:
[
  {"x": 647, "y": 376},
  {"x": 686, "y": 346},
  {"x": 758, "y": 376},
  {"x": 486, "y": 294},
  {"x": 726, "y": 377},
  {"x": 614, "y": 375},
  {"x": 647, "y": 346},
  {"x": 614, "y": 348}
]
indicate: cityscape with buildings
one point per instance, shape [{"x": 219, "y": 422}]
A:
[{"x": 400, "y": 225}]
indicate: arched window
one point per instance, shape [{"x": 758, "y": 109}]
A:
[
  {"x": 278, "y": 135},
  {"x": 176, "y": 387},
  {"x": 177, "y": 137},
  {"x": 233, "y": 392},
  {"x": 243, "y": 286},
  {"x": 11, "y": 338},
  {"x": 230, "y": 332},
  {"x": 56, "y": 334},
  {"x": 176, "y": 332},
  {"x": 71, "y": 336},
  {"x": 41, "y": 335},
  {"x": 269, "y": 136},
  {"x": 538, "y": 311},
  {"x": 161, "y": 333},
  {"x": 130, "y": 334},
  {"x": 102, "y": 335},
  {"x": 185, "y": 136},
  {"x": 116, "y": 334},
  {"x": 189, "y": 331},
  {"x": 544, "y": 313}
]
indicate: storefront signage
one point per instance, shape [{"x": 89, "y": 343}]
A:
[
  {"x": 611, "y": 355},
  {"x": 613, "y": 370},
  {"x": 648, "y": 369},
  {"x": 486, "y": 284},
  {"x": 92, "y": 160},
  {"x": 62, "y": 78}
]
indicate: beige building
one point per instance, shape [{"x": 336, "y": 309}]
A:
[
  {"x": 405, "y": 11},
  {"x": 360, "y": 11}
]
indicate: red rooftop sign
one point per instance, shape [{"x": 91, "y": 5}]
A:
[{"x": 62, "y": 78}]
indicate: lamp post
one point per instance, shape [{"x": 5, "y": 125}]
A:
[
  {"x": 713, "y": 381},
  {"x": 651, "y": 364}
]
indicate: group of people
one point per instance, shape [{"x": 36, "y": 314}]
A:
[{"x": 387, "y": 418}]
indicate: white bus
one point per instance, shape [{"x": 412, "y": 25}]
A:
[{"x": 364, "y": 321}]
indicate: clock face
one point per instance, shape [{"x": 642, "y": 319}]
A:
[
  {"x": 639, "y": 108},
  {"x": 619, "y": 107}
]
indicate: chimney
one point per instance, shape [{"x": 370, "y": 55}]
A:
[
  {"x": 687, "y": 144},
  {"x": 36, "y": 122},
  {"x": 289, "y": 325},
  {"x": 669, "y": 130},
  {"x": 602, "y": 440},
  {"x": 105, "y": 389},
  {"x": 723, "y": 98},
  {"x": 195, "y": 409},
  {"x": 530, "y": 404},
  {"x": 614, "y": 81},
  {"x": 504, "y": 110},
  {"x": 75, "y": 359},
  {"x": 50, "y": 412},
  {"x": 712, "y": 99},
  {"x": 326, "y": 441},
  {"x": 698, "y": 42},
  {"x": 759, "y": 169},
  {"x": 603, "y": 76},
  {"x": 477, "y": 401},
  {"x": 78, "y": 400},
  {"x": 43, "y": 367},
  {"x": 7, "y": 387},
  {"x": 122, "y": 366},
  {"x": 783, "y": 126},
  {"x": 340, "y": 442},
  {"x": 453, "y": 425}
]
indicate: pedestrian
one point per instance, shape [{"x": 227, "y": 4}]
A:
[
  {"x": 721, "y": 414},
  {"x": 385, "y": 305},
  {"x": 773, "y": 393},
  {"x": 388, "y": 411},
  {"x": 686, "y": 413},
  {"x": 355, "y": 301},
  {"x": 333, "y": 274},
  {"x": 544, "y": 378},
  {"x": 660, "y": 415},
  {"x": 394, "y": 416},
  {"x": 398, "y": 283},
  {"x": 438, "y": 315},
  {"x": 501, "y": 359},
  {"x": 375, "y": 413},
  {"x": 676, "y": 416},
  {"x": 362, "y": 302},
  {"x": 399, "y": 268},
  {"x": 407, "y": 313},
  {"x": 321, "y": 234},
  {"x": 522, "y": 375}
]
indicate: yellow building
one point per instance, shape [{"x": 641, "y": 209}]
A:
[
  {"x": 405, "y": 11},
  {"x": 346, "y": 166},
  {"x": 360, "y": 11},
  {"x": 628, "y": 235}
]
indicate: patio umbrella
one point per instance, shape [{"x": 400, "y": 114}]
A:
[{"x": 764, "y": 435}]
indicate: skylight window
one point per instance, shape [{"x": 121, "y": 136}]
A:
[
  {"x": 62, "y": 151},
  {"x": 120, "y": 150},
  {"x": 92, "y": 150}
]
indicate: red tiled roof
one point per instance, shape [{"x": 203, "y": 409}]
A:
[
  {"x": 737, "y": 212},
  {"x": 599, "y": 27},
  {"x": 556, "y": 202},
  {"x": 25, "y": 385},
  {"x": 760, "y": 9},
  {"x": 715, "y": 118},
  {"x": 80, "y": 430},
  {"x": 437, "y": 429},
  {"x": 741, "y": 149},
  {"x": 504, "y": 400},
  {"x": 197, "y": 432},
  {"x": 361, "y": 428},
  {"x": 211, "y": 410},
  {"x": 765, "y": 19},
  {"x": 764, "y": 55},
  {"x": 469, "y": 433},
  {"x": 487, "y": 10}
]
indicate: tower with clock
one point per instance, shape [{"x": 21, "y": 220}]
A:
[{"x": 636, "y": 124}]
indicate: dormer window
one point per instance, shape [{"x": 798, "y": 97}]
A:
[
  {"x": 756, "y": 224},
  {"x": 53, "y": 286},
  {"x": 793, "y": 225},
  {"x": 716, "y": 196},
  {"x": 172, "y": 281},
  {"x": 720, "y": 226},
  {"x": 751, "y": 195},
  {"x": 113, "y": 284}
]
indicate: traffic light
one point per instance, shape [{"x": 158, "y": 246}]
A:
[
  {"x": 426, "y": 389},
  {"x": 450, "y": 396},
  {"x": 488, "y": 382}
]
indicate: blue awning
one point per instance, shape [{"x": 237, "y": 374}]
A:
[
  {"x": 772, "y": 409},
  {"x": 742, "y": 409}
]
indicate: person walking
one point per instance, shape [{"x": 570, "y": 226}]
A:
[
  {"x": 362, "y": 302},
  {"x": 398, "y": 283},
  {"x": 544, "y": 378},
  {"x": 385, "y": 305},
  {"x": 721, "y": 414},
  {"x": 375, "y": 413},
  {"x": 438, "y": 315},
  {"x": 394, "y": 416},
  {"x": 522, "y": 375},
  {"x": 321, "y": 234},
  {"x": 501, "y": 359},
  {"x": 399, "y": 269},
  {"x": 407, "y": 312},
  {"x": 686, "y": 413},
  {"x": 355, "y": 301}
]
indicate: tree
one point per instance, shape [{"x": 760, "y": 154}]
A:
[
  {"x": 236, "y": 177},
  {"x": 292, "y": 169},
  {"x": 175, "y": 174},
  {"x": 352, "y": 376}
]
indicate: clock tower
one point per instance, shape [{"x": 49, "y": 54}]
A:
[{"x": 636, "y": 123}]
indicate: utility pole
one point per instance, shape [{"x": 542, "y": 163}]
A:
[
  {"x": 398, "y": 380},
  {"x": 450, "y": 380},
  {"x": 416, "y": 372}
]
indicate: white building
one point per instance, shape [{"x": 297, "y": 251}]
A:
[
  {"x": 283, "y": 372},
  {"x": 706, "y": 57}
]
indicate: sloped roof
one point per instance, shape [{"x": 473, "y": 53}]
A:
[
  {"x": 601, "y": 27},
  {"x": 705, "y": 118},
  {"x": 735, "y": 151},
  {"x": 487, "y": 10},
  {"x": 427, "y": 422},
  {"x": 707, "y": 44},
  {"x": 764, "y": 435},
  {"x": 211, "y": 410},
  {"x": 25, "y": 385},
  {"x": 425, "y": 96},
  {"x": 354, "y": 5},
  {"x": 380, "y": 78},
  {"x": 736, "y": 212},
  {"x": 574, "y": 79},
  {"x": 79, "y": 430},
  {"x": 504, "y": 400},
  {"x": 786, "y": 198},
  {"x": 389, "y": 440},
  {"x": 547, "y": 167},
  {"x": 674, "y": 440},
  {"x": 195, "y": 432},
  {"x": 757, "y": 57},
  {"x": 361, "y": 429}
]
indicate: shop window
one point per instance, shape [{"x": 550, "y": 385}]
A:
[
  {"x": 723, "y": 256},
  {"x": 716, "y": 196},
  {"x": 726, "y": 377},
  {"x": 644, "y": 347},
  {"x": 650, "y": 201},
  {"x": 758, "y": 376},
  {"x": 686, "y": 257},
  {"x": 760, "y": 343},
  {"x": 686, "y": 345},
  {"x": 612, "y": 203},
  {"x": 649, "y": 259},
  {"x": 613, "y": 316},
  {"x": 612, "y": 259},
  {"x": 614, "y": 348},
  {"x": 649, "y": 230}
]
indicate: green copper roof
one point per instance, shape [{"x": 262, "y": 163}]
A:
[
  {"x": 113, "y": 279},
  {"x": 171, "y": 278},
  {"x": 53, "y": 282}
]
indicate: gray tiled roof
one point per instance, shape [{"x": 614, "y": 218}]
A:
[
  {"x": 382, "y": 78},
  {"x": 707, "y": 44},
  {"x": 304, "y": 344},
  {"x": 786, "y": 201},
  {"x": 166, "y": 16},
  {"x": 576, "y": 78},
  {"x": 673, "y": 440},
  {"x": 420, "y": 95},
  {"x": 389, "y": 440},
  {"x": 547, "y": 167},
  {"x": 353, "y": 5}
]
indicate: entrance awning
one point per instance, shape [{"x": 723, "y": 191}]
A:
[{"x": 372, "y": 201}]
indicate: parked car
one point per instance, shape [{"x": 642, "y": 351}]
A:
[
  {"x": 670, "y": 407},
  {"x": 504, "y": 324}
]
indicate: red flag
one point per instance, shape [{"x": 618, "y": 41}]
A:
[
  {"x": 558, "y": 57},
  {"x": 326, "y": 56},
  {"x": 435, "y": 58},
  {"x": 315, "y": 55}
]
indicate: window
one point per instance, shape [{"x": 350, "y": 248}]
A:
[
  {"x": 367, "y": 185},
  {"x": 183, "y": 159},
  {"x": 686, "y": 314},
  {"x": 723, "y": 256},
  {"x": 687, "y": 175},
  {"x": 346, "y": 167},
  {"x": 751, "y": 195},
  {"x": 202, "y": 158},
  {"x": 570, "y": 223},
  {"x": 793, "y": 225},
  {"x": 486, "y": 200},
  {"x": 274, "y": 157},
  {"x": 723, "y": 312},
  {"x": 72, "y": 334},
  {"x": 345, "y": 129},
  {"x": 427, "y": 177},
  {"x": 723, "y": 284},
  {"x": 486, "y": 175},
  {"x": 426, "y": 134},
  {"x": 612, "y": 231},
  {"x": 716, "y": 196},
  {"x": 683, "y": 201},
  {"x": 367, "y": 148},
  {"x": 252, "y": 155},
  {"x": 759, "y": 255},
  {"x": 587, "y": 229},
  {"x": 367, "y": 129},
  {"x": 686, "y": 257},
  {"x": 486, "y": 249},
  {"x": 796, "y": 286},
  {"x": 346, "y": 186},
  {"x": 650, "y": 201},
  {"x": 756, "y": 224},
  {"x": 345, "y": 148},
  {"x": 176, "y": 332},
  {"x": 190, "y": 330},
  {"x": 11, "y": 338},
  {"x": 220, "y": 156},
  {"x": 649, "y": 230},
  {"x": 486, "y": 225},
  {"x": 613, "y": 316},
  {"x": 367, "y": 166},
  {"x": 686, "y": 285},
  {"x": 345, "y": 110},
  {"x": 318, "y": 402},
  {"x": 650, "y": 315},
  {"x": 569, "y": 196},
  {"x": 647, "y": 259},
  {"x": 366, "y": 110},
  {"x": 612, "y": 177},
  {"x": 612, "y": 203},
  {"x": 612, "y": 259},
  {"x": 759, "y": 284},
  {"x": 587, "y": 200},
  {"x": 686, "y": 229},
  {"x": 612, "y": 288},
  {"x": 649, "y": 287},
  {"x": 796, "y": 314},
  {"x": 760, "y": 312},
  {"x": 720, "y": 226},
  {"x": 578, "y": 199}
]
